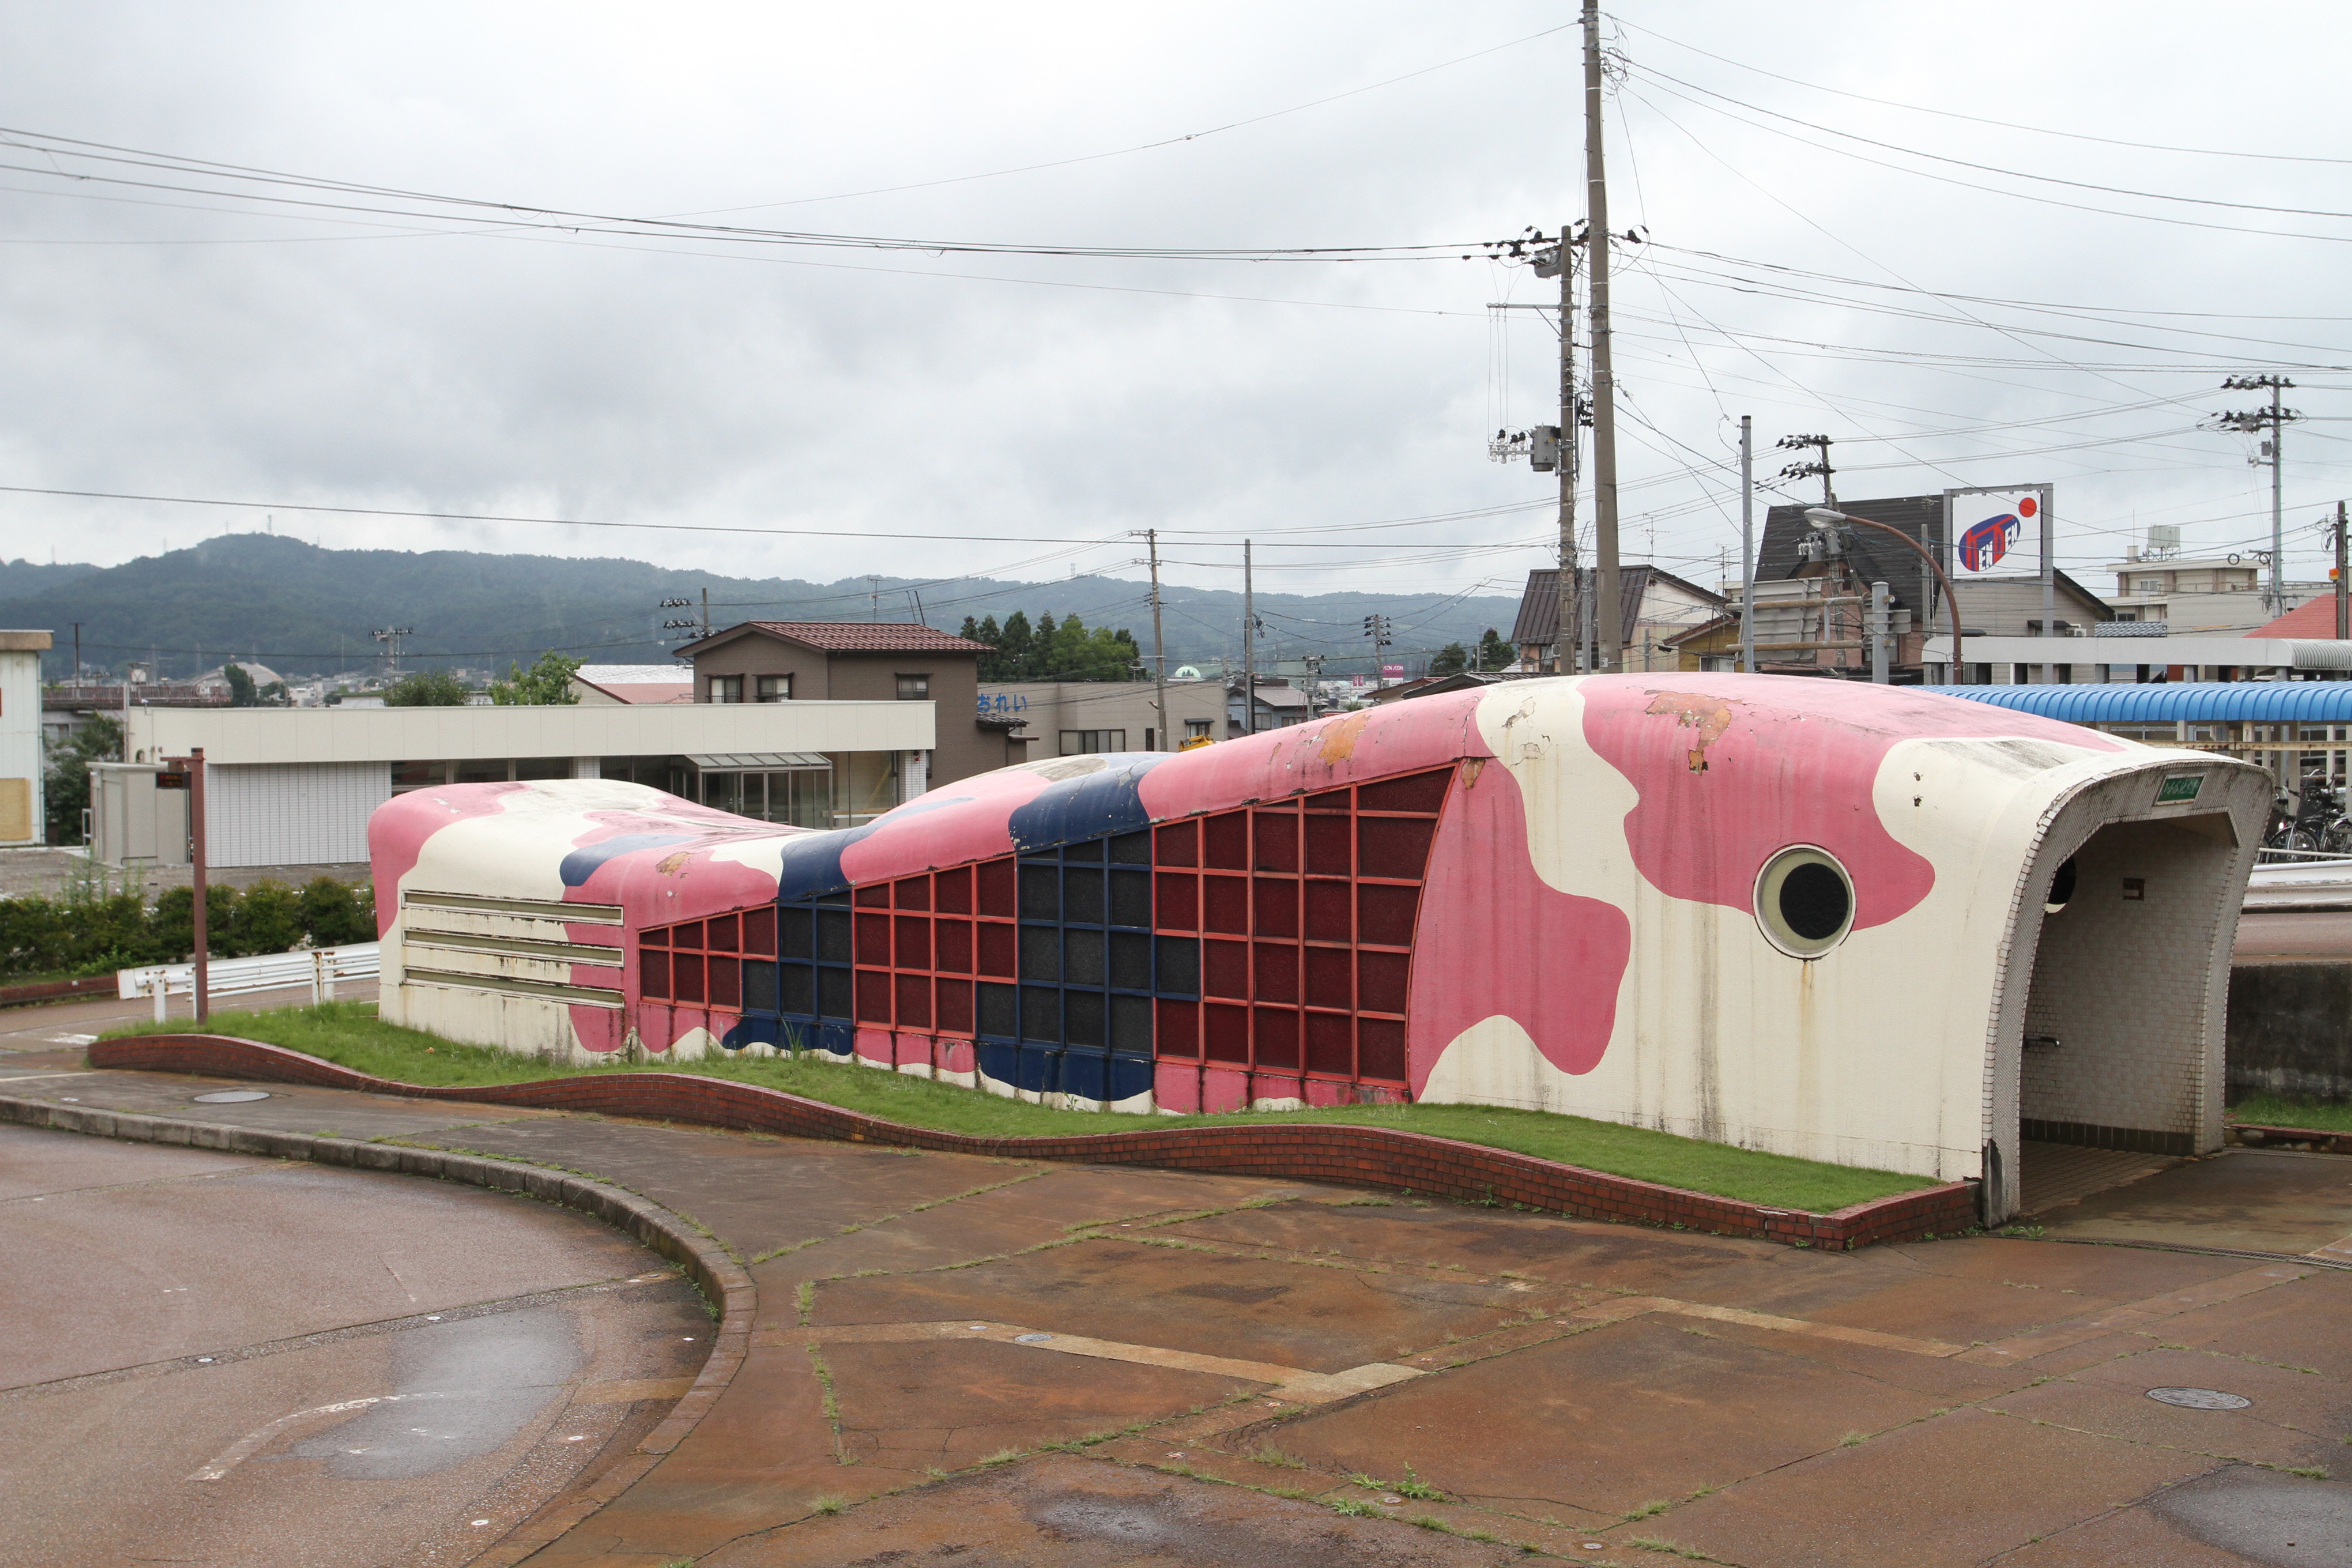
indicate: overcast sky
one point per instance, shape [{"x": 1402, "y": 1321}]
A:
[{"x": 189, "y": 343}]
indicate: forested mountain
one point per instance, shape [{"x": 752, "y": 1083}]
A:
[{"x": 302, "y": 610}]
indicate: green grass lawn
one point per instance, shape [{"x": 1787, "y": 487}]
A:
[
  {"x": 2276, "y": 1111},
  {"x": 350, "y": 1034}
]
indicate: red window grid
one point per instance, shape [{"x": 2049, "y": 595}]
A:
[
  {"x": 920, "y": 943},
  {"x": 1305, "y": 910},
  {"x": 700, "y": 962}
]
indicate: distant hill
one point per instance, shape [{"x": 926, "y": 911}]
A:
[{"x": 303, "y": 610}]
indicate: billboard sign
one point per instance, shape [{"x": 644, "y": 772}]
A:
[
  {"x": 1988, "y": 527},
  {"x": 1390, "y": 670}
]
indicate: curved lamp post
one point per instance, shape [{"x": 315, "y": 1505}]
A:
[{"x": 1824, "y": 519}]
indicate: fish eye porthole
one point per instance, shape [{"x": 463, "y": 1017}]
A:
[
  {"x": 2062, "y": 887},
  {"x": 1804, "y": 901}
]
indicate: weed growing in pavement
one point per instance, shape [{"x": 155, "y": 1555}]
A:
[
  {"x": 1002, "y": 1457},
  {"x": 1653, "y": 1544},
  {"x": 828, "y": 1504},
  {"x": 1413, "y": 1486},
  {"x": 805, "y": 1296},
  {"x": 1270, "y": 1455},
  {"x": 1650, "y": 1509},
  {"x": 1854, "y": 1439},
  {"x": 2310, "y": 1472},
  {"x": 1349, "y": 1508},
  {"x": 1363, "y": 1203}
]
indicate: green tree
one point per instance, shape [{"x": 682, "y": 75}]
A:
[
  {"x": 547, "y": 683},
  {"x": 1015, "y": 645},
  {"x": 1450, "y": 659},
  {"x": 267, "y": 918},
  {"x": 66, "y": 787},
  {"x": 336, "y": 913},
  {"x": 426, "y": 689},
  {"x": 174, "y": 923},
  {"x": 240, "y": 686},
  {"x": 1493, "y": 653}
]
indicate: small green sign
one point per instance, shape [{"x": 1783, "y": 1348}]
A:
[{"x": 2179, "y": 789}]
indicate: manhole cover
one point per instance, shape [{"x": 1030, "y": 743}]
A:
[
  {"x": 2198, "y": 1398},
  {"x": 232, "y": 1096}
]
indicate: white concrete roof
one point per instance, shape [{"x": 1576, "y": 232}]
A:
[
  {"x": 2269, "y": 653},
  {"x": 342, "y": 734}
]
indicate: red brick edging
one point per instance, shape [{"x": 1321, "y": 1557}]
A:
[
  {"x": 2260, "y": 1135},
  {"x": 57, "y": 990},
  {"x": 1332, "y": 1151}
]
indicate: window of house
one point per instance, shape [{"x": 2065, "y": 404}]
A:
[
  {"x": 914, "y": 687},
  {"x": 1197, "y": 727},
  {"x": 1079, "y": 742},
  {"x": 774, "y": 688},
  {"x": 727, "y": 688}
]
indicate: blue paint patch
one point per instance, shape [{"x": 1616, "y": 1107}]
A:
[
  {"x": 837, "y": 1039},
  {"x": 999, "y": 1063},
  {"x": 585, "y": 862},
  {"x": 812, "y": 862},
  {"x": 753, "y": 1031},
  {"x": 1088, "y": 806}
]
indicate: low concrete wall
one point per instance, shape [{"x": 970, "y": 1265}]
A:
[{"x": 2290, "y": 1030}]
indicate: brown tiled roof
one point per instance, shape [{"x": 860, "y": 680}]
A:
[{"x": 871, "y": 637}]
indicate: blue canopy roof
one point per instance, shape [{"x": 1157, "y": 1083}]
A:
[{"x": 2199, "y": 701}]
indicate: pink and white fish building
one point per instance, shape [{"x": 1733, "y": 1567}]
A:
[{"x": 1856, "y": 923}]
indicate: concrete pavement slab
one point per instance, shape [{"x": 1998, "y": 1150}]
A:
[
  {"x": 1325, "y": 1320},
  {"x": 1952, "y": 1490},
  {"x": 1649, "y": 1409},
  {"x": 2257, "y": 1435},
  {"x": 2257, "y": 1200},
  {"x": 289, "y": 1108},
  {"x": 2274, "y": 1325},
  {"x": 1062, "y": 1512}
]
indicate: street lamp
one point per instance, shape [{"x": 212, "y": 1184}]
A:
[{"x": 1825, "y": 521}]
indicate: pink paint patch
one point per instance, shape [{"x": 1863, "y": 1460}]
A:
[
  {"x": 600, "y": 1029},
  {"x": 967, "y": 820},
  {"x": 1496, "y": 939},
  {"x": 955, "y": 1055},
  {"x": 1176, "y": 1086},
  {"x": 1373, "y": 743},
  {"x": 1276, "y": 1086},
  {"x": 1732, "y": 768},
  {"x": 1224, "y": 1089},
  {"x": 1322, "y": 1091},
  {"x": 683, "y": 1021},
  {"x": 398, "y": 828},
  {"x": 913, "y": 1050},
  {"x": 875, "y": 1046}
]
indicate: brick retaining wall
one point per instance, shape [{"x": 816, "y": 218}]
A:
[{"x": 1329, "y": 1152}]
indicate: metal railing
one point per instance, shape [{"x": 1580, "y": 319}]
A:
[{"x": 318, "y": 967}]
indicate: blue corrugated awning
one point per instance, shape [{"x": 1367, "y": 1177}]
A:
[{"x": 2199, "y": 701}]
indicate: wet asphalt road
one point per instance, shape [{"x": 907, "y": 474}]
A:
[{"x": 210, "y": 1358}]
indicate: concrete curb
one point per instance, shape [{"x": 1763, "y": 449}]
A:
[
  {"x": 722, "y": 1281},
  {"x": 2260, "y": 1135},
  {"x": 1329, "y": 1152}
]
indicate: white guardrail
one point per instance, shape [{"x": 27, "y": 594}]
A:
[{"x": 318, "y": 967}]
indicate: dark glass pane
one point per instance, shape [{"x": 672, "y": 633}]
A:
[
  {"x": 1331, "y": 1044},
  {"x": 799, "y": 991},
  {"x": 653, "y": 973},
  {"x": 1278, "y": 1037},
  {"x": 726, "y": 981},
  {"x": 1326, "y": 845},
  {"x": 1041, "y": 953},
  {"x": 1225, "y": 969},
  {"x": 1381, "y": 980},
  {"x": 1277, "y": 840},
  {"x": 954, "y": 940},
  {"x": 999, "y": 949},
  {"x": 724, "y": 934},
  {"x": 1178, "y": 844},
  {"x": 1380, "y": 1048},
  {"x": 1178, "y": 902},
  {"x": 688, "y": 936},
  {"x": 833, "y": 992},
  {"x": 1041, "y": 891},
  {"x": 1225, "y": 904},
  {"x": 1276, "y": 899},
  {"x": 1224, "y": 841},
  {"x": 1131, "y": 849},
  {"x": 1130, "y": 897},
  {"x": 1130, "y": 961},
  {"x": 1393, "y": 846},
  {"x": 1179, "y": 1029},
  {"x": 1082, "y": 895},
  {"x": 1421, "y": 791},
  {"x": 1384, "y": 915},
  {"x": 875, "y": 897},
  {"x": 1041, "y": 1014},
  {"x": 1278, "y": 972},
  {"x": 1082, "y": 956},
  {"x": 955, "y": 891},
  {"x": 914, "y": 1001},
  {"x": 914, "y": 942},
  {"x": 840, "y": 896},
  {"x": 1085, "y": 849},
  {"x": 795, "y": 930},
  {"x": 1000, "y": 1011},
  {"x": 1131, "y": 1026},
  {"x": 1330, "y": 977},
  {"x": 686, "y": 976},
  {"x": 1180, "y": 966},
  {"x": 1329, "y": 800},
  {"x": 912, "y": 893},
  {"x": 873, "y": 939},
  {"x": 760, "y": 932},
  {"x": 759, "y": 986},
  {"x": 873, "y": 996},
  {"x": 955, "y": 1007},
  {"x": 1082, "y": 1017},
  {"x": 997, "y": 896},
  {"x": 833, "y": 935},
  {"x": 1224, "y": 1031},
  {"x": 1328, "y": 908},
  {"x": 657, "y": 937}
]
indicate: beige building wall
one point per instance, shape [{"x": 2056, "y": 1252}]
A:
[
  {"x": 21, "y": 804},
  {"x": 1068, "y": 717}
]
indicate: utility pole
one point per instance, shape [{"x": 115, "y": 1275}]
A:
[
  {"x": 1375, "y": 627},
  {"x": 705, "y": 612},
  {"x": 875, "y": 595},
  {"x": 1747, "y": 544},
  {"x": 1604, "y": 385},
  {"x": 2273, "y": 453},
  {"x": 1563, "y": 258},
  {"x": 1249, "y": 645},
  {"x": 1820, "y": 469},
  {"x": 1881, "y": 625},
  {"x": 390, "y": 637},
  {"x": 1159, "y": 646},
  {"x": 2343, "y": 584},
  {"x": 77, "y": 680}
]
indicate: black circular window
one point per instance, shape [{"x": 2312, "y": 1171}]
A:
[
  {"x": 1804, "y": 901},
  {"x": 2062, "y": 887},
  {"x": 1814, "y": 902}
]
